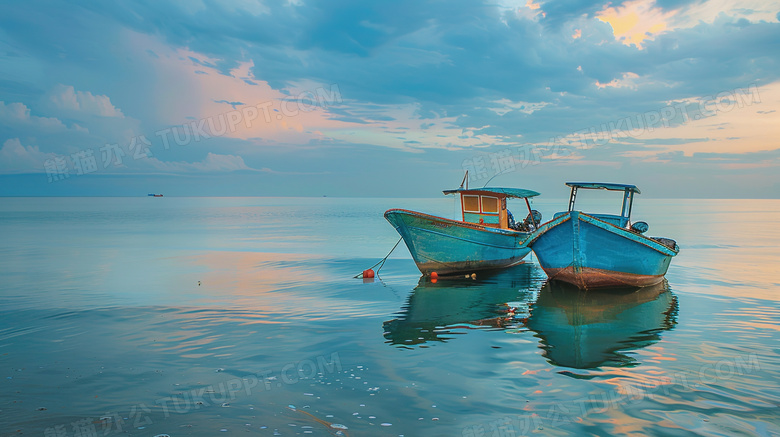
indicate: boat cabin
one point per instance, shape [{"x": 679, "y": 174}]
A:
[
  {"x": 487, "y": 207},
  {"x": 623, "y": 219}
]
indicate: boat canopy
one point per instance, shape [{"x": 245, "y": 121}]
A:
[
  {"x": 508, "y": 192},
  {"x": 605, "y": 186},
  {"x": 621, "y": 220}
]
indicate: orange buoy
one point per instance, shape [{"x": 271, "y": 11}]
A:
[
  {"x": 368, "y": 274},
  {"x": 434, "y": 280},
  {"x": 434, "y": 275}
]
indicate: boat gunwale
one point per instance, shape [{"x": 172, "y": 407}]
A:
[
  {"x": 544, "y": 227},
  {"x": 625, "y": 233},
  {"x": 478, "y": 243},
  {"x": 475, "y": 226},
  {"x": 647, "y": 241}
]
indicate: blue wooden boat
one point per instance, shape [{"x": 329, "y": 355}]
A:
[
  {"x": 601, "y": 250},
  {"x": 486, "y": 238}
]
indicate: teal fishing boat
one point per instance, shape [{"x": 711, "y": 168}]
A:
[
  {"x": 487, "y": 237},
  {"x": 593, "y": 250}
]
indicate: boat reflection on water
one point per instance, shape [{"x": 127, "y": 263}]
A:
[
  {"x": 578, "y": 329},
  {"x": 588, "y": 329},
  {"x": 439, "y": 311}
]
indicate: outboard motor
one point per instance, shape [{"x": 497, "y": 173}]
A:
[
  {"x": 532, "y": 221},
  {"x": 534, "y": 217}
]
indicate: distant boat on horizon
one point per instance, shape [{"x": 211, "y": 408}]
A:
[{"x": 154, "y": 195}]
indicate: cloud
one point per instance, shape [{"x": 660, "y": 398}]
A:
[
  {"x": 211, "y": 163},
  {"x": 738, "y": 162},
  {"x": 738, "y": 121},
  {"x": 414, "y": 76},
  {"x": 15, "y": 114},
  {"x": 635, "y": 21},
  {"x": 629, "y": 80},
  {"x": 66, "y": 97},
  {"x": 506, "y": 105},
  {"x": 748, "y": 11},
  {"x": 17, "y": 158}
]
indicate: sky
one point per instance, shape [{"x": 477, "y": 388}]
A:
[{"x": 388, "y": 99}]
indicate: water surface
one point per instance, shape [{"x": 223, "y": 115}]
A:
[{"x": 199, "y": 316}]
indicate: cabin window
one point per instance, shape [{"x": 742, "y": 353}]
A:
[
  {"x": 471, "y": 203},
  {"x": 490, "y": 205}
]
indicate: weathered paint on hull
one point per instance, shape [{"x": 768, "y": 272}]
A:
[
  {"x": 597, "y": 278},
  {"x": 448, "y": 246},
  {"x": 590, "y": 253}
]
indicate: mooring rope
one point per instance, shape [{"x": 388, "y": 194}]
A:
[{"x": 382, "y": 262}]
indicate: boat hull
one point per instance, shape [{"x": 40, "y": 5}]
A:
[
  {"x": 448, "y": 246},
  {"x": 589, "y": 253}
]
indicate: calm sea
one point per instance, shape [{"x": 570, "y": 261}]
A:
[{"x": 224, "y": 316}]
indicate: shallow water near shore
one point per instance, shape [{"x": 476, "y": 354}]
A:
[{"x": 204, "y": 316}]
